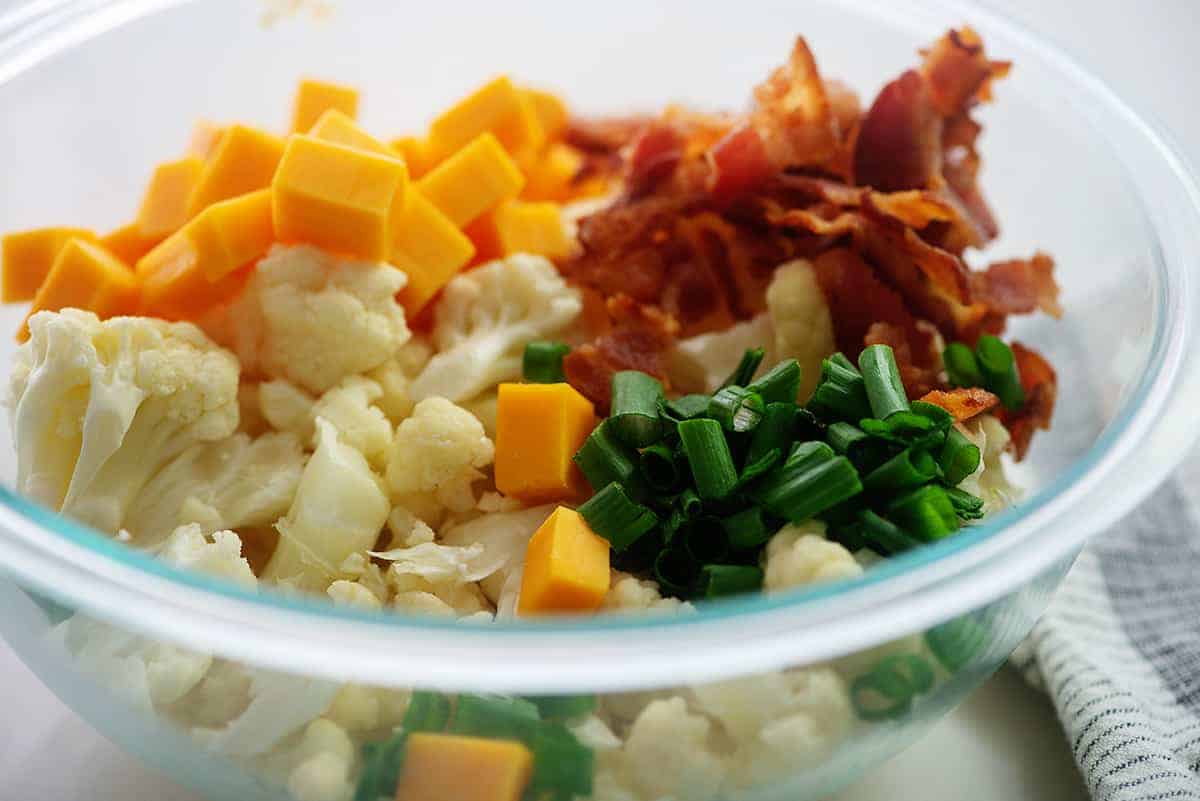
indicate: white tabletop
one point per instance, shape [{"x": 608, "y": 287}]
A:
[{"x": 1005, "y": 740}]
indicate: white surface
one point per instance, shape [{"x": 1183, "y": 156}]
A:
[{"x": 1003, "y": 744}]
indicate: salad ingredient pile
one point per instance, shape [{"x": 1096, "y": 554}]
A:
[{"x": 525, "y": 364}]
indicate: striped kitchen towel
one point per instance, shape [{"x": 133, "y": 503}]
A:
[{"x": 1118, "y": 651}]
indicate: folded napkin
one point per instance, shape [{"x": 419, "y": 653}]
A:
[{"x": 1118, "y": 651}]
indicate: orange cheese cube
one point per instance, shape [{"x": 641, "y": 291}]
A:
[
  {"x": 552, "y": 175},
  {"x": 27, "y": 257},
  {"x": 428, "y": 248},
  {"x": 245, "y": 161},
  {"x": 337, "y": 197},
  {"x": 497, "y": 108},
  {"x": 448, "y": 767},
  {"x": 192, "y": 269},
  {"x": 206, "y": 137},
  {"x": 539, "y": 427},
  {"x": 416, "y": 153},
  {"x": 165, "y": 205},
  {"x": 314, "y": 98},
  {"x": 532, "y": 228},
  {"x": 550, "y": 111},
  {"x": 86, "y": 276},
  {"x": 128, "y": 244},
  {"x": 334, "y": 126},
  {"x": 473, "y": 180},
  {"x": 484, "y": 237},
  {"x": 566, "y": 567}
]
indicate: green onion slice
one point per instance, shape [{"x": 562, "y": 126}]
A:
[
  {"x": 999, "y": 368},
  {"x": 736, "y": 408},
  {"x": 382, "y": 763},
  {"x": 563, "y": 707},
  {"x": 721, "y": 580},
  {"x": 675, "y": 571},
  {"x": 661, "y": 469},
  {"x": 743, "y": 374},
  {"x": 611, "y": 514},
  {"x": 542, "y": 362},
  {"x": 563, "y": 767},
  {"x": 427, "y": 712},
  {"x": 841, "y": 393},
  {"x": 690, "y": 503},
  {"x": 688, "y": 406},
  {"x": 906, "y": 469},
  {"x": 961, "y": 366},
  {"x": 603, "y": 459},
  {"x": 705, "y": 540},
  {"x": 801, "y": 491},
  {"x": 780, "y": 384},
  {"x": 773, "y": 432},
  {"x": 635, "y": 402},
  {"x": 881, "y": 695},
  {"x": 883, "y": 536},
  {"x": 747, "y": 529},
  {"x": 956, "y": 642},
  {"x": 709, "y": 457},
  {"x": 965, "y": 504},
  {"x": 925, "y": 513},
  {"x": 495, "y": 716},
  {"x": 881, "y": 376},
  {"x": 959, "y": 457},
  {"x": 808, "y": 454}
]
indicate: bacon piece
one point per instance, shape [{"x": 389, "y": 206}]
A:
[
  {"x": 738, "y": 163},
  {"x": 1040, "y": 383},
  {"x": 899, "y": 143},
  {"x": 654, "y": 155},
  {"x": 964, "y": 402},
  {"x": 793, "y": 113},
  {"x": 959, "y": 72},
  {"x": 604, "y": 134},
  {"x": 1020, "y": 286},
  {"x": 915, "y": 350}
]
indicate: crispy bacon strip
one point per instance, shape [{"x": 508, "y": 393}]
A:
[
  {"x": 963, "y": 403},
  {"x": 793, "y": 114},
  {"x": 738, "y": 163},
  {"x": 1020, "y": 286},
  {"x": 900, "y": 140},
  {"x": 959, "y": 72},
  {"x": 916, "y": 353},
  {"x": 1040, "y": 383},
  {"x": 654, "y": 155}
]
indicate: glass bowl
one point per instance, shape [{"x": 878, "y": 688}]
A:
[{"x": 747, "y": 698}]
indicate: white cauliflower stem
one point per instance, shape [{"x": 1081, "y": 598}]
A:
[
  {"x": 800, "y": 316},
  {"x": 98, "y": 407},
  {"x": 484, "y": 320}
]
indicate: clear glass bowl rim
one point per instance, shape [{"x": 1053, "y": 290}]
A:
[{"x": 85, "y": 570}]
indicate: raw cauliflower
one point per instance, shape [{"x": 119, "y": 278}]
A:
[
  {"x": 339, "y": 510},
  {"x": 287, "y": 407},
  {"x": 395, "y": 375},
  {"x": 98, "y": 407},
  {"x": 484, "y": 320},
  {"x": 218, "y": 554},
  {"x": 801, "y": 319},
  {"x": 702, "y": 362},
  {"x": 233, "y": 483},
  {"x": 313, "y": 318},
  {"x": 324, "y": 760},
  {"x": 628, "y": 593},
  {"x": 799, "y": 555},
  {"x": 503, "y": 537},
  {"x": 667, "y": 753},
  {"x": 351, "y": 407},
  {"x": 439, "y": 450},
  {"x": 431, "y": 578}
]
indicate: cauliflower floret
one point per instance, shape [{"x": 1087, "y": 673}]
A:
[
  {"x": 361, "y": 425},
  {"x": 439, "y": 450},
  {"x": 286, "y": 407},
  {"x": 339, "y": 510},
  {"x": 313, "y": 318},
  {"x": 366, "y": 709},
  {"x": 324, "y": 759},
  {"x": 800, "y": 316},
  {"x": 98, "y": 407},
  {"x": 702, "y": 362},
  {"x": 502, "y": 538},
  {"x": 667, "y": 753},
  {"x": 799, "y": 554},
  {"x": 230, "y": 484},
  {"x": 353, "y": 594},
  {"x": 484, "y": 320},
  {"x": 279, "y": 706},
  {"x": 407, "y": 529},
  {"x": 218, "y": 554},
  {"x": 989, "y": 481},
  {"x": 395, "y": 375},
  {"x": 628, "y": 593},
  {"x": 438, "y": 579}
]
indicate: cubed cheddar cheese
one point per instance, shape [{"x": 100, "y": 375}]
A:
[
  {"x": 428, "y": 248},
  {"x": 539, "y": 427},
  {"x": 245, "y": 161},
  {"x": 483, "y": 235},
  {"x": 314, "y": 98},
  {"x": 206, "y": 137},
  {"x": 165, "y": 204},
  {"x": 335, "y": 126},
  {"x": 196, "y": 266},
  {"x": 550, "y": 111},
  {"x": 566, "y": 567},
  {"x": 27, "y": 256},
  {"x": 338, "y": 198},
  {"x": 449, "y": 767},
  {"x": 417, "y": 154},
  {"x": 128, "y": 244},
  {"x": 477, "y": 178},
  {"x": 531, "y": 228},
  {"x": 552, "y": 176},
  {"x": 86, "y": 276},
  {"x": 498, "y": 108}
]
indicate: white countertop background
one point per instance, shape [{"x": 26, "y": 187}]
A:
[{"x": 1002, "y": 744}]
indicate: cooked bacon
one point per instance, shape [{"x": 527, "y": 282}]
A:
[
  {"x": 900, "y": 140},
  {"x": 917, "y": 353},
  {"x": 964, "y": 402},
  {"x": 793, "y": 115},
  {"x": 738, "y": 164},
  {"x": 1040, "y": 383},
  {"x": 959, "y": 72},
  {"x": 653, "y": 157},
  {"x": 604, "y": 134},
  {"x": 1020, "y": 286}
]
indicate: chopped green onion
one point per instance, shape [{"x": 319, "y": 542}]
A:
[
  {"x": 690, "y": 503},
  {"x": 848, "y": 534},
  {"x": 939, "y": 417},
  {"x": 759, "y": 467},
  {"x": 801, "y": 491},
  {"x": 495, "y": 716},
  {"x": 736, "y": 408},
  {"x": 563, "y": 707},
  {"x": 999, "y": 368},
  {"x": 603, "y": 459},
  {"x": 660, "y": 468},
  {"x": 611, "y": 514},
  {"x": 906, "y": 469},
  {"x": 967, "y": 505},
  {"x": 427, "y": 712},
  {"x": 881, "y": 695},
  {"x": 807, "y": 426},
  {"x": 884, "y": 536},
  {"x": 634, "y": 414},
  {"x": 675, "y": 571},
  {"x": 709, "y": 457},
  {"x": 910, "y": 429},
  {"x": 956, "y": 642},
  {"x": 747, "y": 529},
  {"x": 542, "y": 362},
  {"x": 640, "y": 556},
  {"x": 721, "y": 580},
  {"x": 959, "y": 457},
  {"x": 842, "y": 437},
  {"x": 780, "y": 384},
  {"x": 688, "y": 406},
  {"x": 705, "y": 540},
  {"x": 743, "y": 374},
  {"x": 961, "y": 366},
  {"x": 925, "y": 513},
  {"x": 841, "y": 393},
  {"x": 808, "y": 454},
  {"x": 881, "y": 376},
  {"x": 915, "y": 669},
  {"x": 773, "y": 432},
  {"x": 382, "y": 764},
  {"x": 863, "y": 451},
  {"x": 562, "y": 766}
]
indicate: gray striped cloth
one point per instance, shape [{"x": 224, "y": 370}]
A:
[{"x": 1118, "y": 652}]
